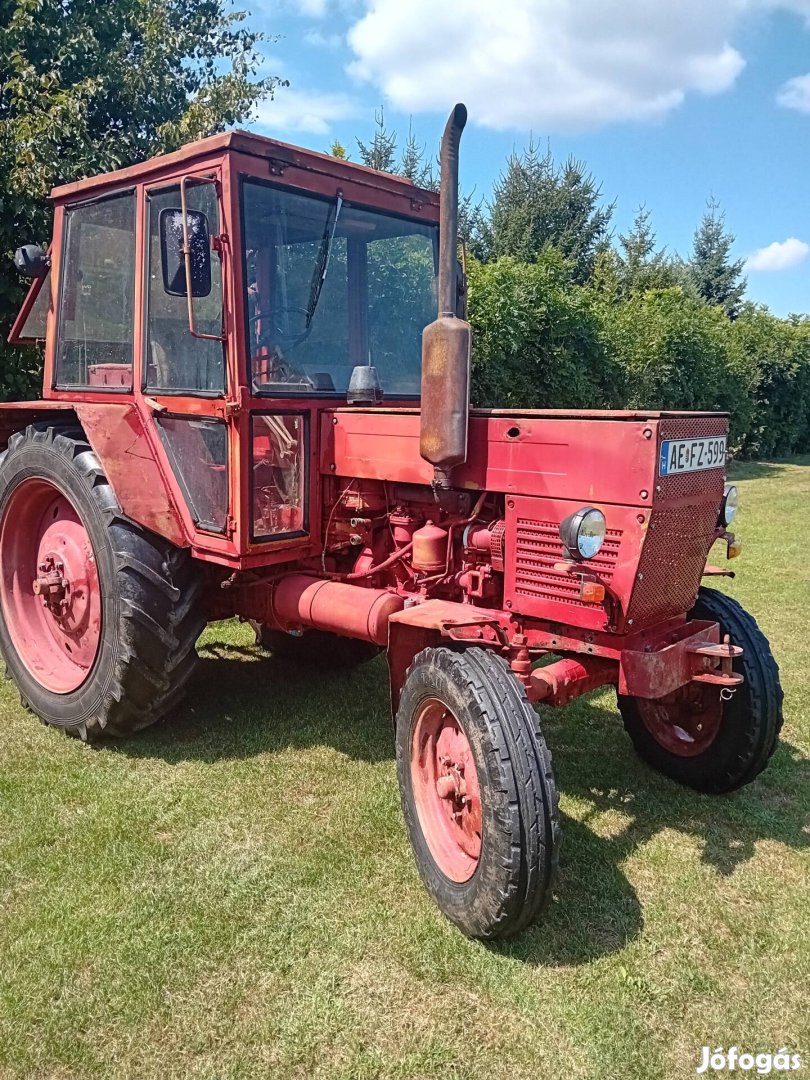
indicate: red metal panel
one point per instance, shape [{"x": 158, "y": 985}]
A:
[
  {"x": 116, "y": 433},
  {"x": 532, "y": 585},
  {"x": 612, "y": 460},
  {"x": 665, "y": 666},
  {"x": 291, "y": 165}
]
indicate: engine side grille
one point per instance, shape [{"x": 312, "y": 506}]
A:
[{"x": 538, "y": 547}]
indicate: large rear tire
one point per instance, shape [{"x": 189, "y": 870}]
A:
[
  {"x": 99, "y": 616},
  {"x": 478, "y": 793},
  {"x": 696, "y": 738}
]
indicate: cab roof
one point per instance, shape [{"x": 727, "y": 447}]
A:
[{"x": 247, "y": 142}]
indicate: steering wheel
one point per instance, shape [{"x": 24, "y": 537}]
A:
[{"x": 274, "y": 322}]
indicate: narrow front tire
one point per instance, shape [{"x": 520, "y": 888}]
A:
[
  {"x": 697, "y": 738},
  {"x": 478, "y": 793}
]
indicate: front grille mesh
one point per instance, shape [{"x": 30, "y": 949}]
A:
[
  {"x": 672, "y": 561},
  {"x": 538, "y": 547}
]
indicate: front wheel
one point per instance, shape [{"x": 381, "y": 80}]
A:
[
  {"x": 697, "y": 738},
  {"x": 478, "y": 793}
]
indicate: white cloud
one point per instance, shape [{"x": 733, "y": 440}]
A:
[
  {"x": 304, "y": 110},
  {"x": 779, "y": 256},
  {"x": 795, "y": 94},
  {"x": 323, "y": 41},
  {"x": 313, "y": 8},
  {"x": 552, "y": 65}
]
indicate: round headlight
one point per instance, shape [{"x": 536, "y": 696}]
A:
[
  {"x": 583, "y": 533},
  {"x": 728, "y": 507}
]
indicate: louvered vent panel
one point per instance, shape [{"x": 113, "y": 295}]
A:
[{"x": 538, "y": 547}]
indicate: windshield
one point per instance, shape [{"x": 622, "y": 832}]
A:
[{"x": 331, "y": 286}]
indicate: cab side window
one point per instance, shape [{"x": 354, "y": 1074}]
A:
[
  {"x": 175, "y": 360},
  {"x": 97, "y": 290}
]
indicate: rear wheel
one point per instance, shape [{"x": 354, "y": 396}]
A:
[
  {"x": 696, "y": 737},
  {"x": 478, "y": 793},
  {"x": 99, "y": 616},
  {"x": 315, "y": 648}
]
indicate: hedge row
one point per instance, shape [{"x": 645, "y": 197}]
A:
[{"x": 542, "y": 342}]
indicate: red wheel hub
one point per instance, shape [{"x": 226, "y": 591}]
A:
[
  {"x": 444, "y": 780},
  {"x": 687, "y": 722},
  {"x": 49, "y": 588}
]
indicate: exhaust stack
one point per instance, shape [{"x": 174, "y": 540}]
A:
[{"x": 446, "y": 342}]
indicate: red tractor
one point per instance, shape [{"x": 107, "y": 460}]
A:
[{"x": 250, "y": 410}]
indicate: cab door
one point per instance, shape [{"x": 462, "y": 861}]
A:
[{"x": 184, "y": 362}]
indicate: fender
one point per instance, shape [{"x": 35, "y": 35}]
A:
[{"x": 116, "y": 434}]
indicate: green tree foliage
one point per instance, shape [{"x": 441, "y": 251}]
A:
[
  {"x": 640, "y": 263},
  {"x": 674, "y": 352},
  {"x": 716, "y": 278},
  {"x": 537, "y": 204},
  {"x": 86, "y": 87},
  {"x": 538, "y": 340},
  {"x": 773, "y": 356},
  {"x": 380, "y": 152}
]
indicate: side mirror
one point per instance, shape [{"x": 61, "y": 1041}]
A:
[
  {"x": 172, "y": 256},
  {"x": 32, "y": 262}
]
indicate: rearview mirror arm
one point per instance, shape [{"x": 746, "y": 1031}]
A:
[{"x": 187, "y": 262}]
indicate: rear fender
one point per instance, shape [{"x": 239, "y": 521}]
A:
[{"x": 116, "y": 433}]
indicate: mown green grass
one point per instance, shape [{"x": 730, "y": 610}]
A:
[{"x": 232, "y": 894}]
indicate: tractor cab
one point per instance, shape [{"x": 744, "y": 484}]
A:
[{"x": 217, "y": 300}]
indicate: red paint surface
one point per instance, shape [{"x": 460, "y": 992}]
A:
[
  {"x": 300, "y": 602},
  {"x": 116, "y": 433},
  {"x": 686, "y": 722},
  {"x": 40, "y": 534},
  {"x": 445, "y": 787}
]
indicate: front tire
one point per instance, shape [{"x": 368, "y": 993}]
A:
[
  {"x": 697, "y": 739},
  {"x": 99, "y": 616},
  {"x": 478, "y": 793}
]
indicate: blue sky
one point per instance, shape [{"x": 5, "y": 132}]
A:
[{"x": 668, "y": 102}]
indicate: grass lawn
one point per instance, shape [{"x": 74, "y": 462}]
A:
[{"x": 233, "y": 895}]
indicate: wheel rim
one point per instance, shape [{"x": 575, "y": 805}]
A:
[
  {"x": 444, "y": 780},
  {"x": 49, "y": 587},
  {"x": 685, "y": 723}
]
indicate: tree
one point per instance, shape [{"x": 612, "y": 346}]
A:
[
  {"x": 715, "y": 277},
  {"x": 381, "y": 152},
  {"x": 87, "y": 87},
  {"x": 641, "y": 264},
  {"x": 537, "y": 203}
]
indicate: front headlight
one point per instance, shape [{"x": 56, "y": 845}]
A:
[
  {"x": 728, "y": 507},
  {"x": 583, "y": 533}
]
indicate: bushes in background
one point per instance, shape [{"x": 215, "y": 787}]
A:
[{"x": 541, "y": 341}]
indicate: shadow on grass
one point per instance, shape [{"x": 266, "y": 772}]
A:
[
  {"x": 760, "y": 470},
  {"x": 243, "y": 704}
]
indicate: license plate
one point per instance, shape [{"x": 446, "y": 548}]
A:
[{"x": 691, "y": 455}]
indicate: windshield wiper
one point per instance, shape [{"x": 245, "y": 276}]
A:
[{"x": 322, "y": 262}]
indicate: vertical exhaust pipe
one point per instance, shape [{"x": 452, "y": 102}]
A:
[{"x": 446, "y": 342}]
